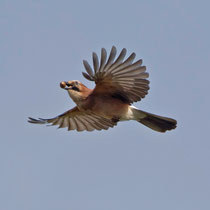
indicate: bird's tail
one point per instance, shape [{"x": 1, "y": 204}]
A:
[{"x": 155, "y": 122}]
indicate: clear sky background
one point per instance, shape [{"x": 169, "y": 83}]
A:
[{"x": 43, "y": 42}]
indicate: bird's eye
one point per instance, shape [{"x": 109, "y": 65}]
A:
[{"x": 76, "y": 83}]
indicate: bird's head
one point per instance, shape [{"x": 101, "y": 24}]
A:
[{"x": 76, "y": 90}]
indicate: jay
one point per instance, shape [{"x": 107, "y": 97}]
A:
[{"x": 119, "y": 83}]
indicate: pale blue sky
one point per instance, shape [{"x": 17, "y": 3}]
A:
[{"x": 44, "y": 42}]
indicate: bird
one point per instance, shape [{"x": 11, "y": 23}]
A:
[{"x": 119, "y": 82}]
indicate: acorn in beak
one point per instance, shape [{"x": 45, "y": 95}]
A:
[{"x": 66, "y": 85}]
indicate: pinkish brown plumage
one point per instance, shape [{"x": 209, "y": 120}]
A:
[{"x": 119, "y": 83}]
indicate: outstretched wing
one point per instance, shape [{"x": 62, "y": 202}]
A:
[
  {"x": 122, "y": 79},
  {"x": 75, "y": 119}
]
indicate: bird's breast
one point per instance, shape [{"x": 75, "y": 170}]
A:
[{"x": 107, "y": 107}]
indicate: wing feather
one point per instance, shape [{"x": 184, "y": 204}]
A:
[
  {"x": 103, "y": 59},
  {"x": 110, "y": 59},
  {"x": 75, "y": 119},
  {"x": 72, "y": 124},
  {"x": 124, "y": 79},
  {"x": 88, "y": 68},
  {"x": 95, "y": 62},
  {"x": 118, "y": 61}
]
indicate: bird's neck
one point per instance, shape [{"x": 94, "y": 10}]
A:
[{"x": 80, "y": 98}]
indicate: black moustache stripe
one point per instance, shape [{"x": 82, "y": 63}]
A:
[{"x": 75, "y": 88}]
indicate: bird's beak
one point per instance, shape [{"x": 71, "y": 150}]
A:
[{"x": 66, "y": 85}]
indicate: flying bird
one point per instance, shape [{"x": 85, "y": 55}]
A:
[{"x": 119, "y": 83}]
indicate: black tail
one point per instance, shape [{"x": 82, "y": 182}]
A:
[{"x": 155, "y": 122}]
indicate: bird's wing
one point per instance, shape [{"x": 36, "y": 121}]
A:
[
  {"x": 75, "y": 119},
  {"x": 122, "y": 79}
]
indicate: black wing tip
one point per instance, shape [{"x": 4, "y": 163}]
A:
[
  {"x": 94, "y": 54},
  {"x": 87, "y": 76},
  {"x": 114, "y": 48},
  {"x": 31, "y": 120},
  {"x": 124, "y": 51},
  {"x": 84, "y": 62},
  {"x": 36, "y": 121},
  {"x": 133, "y": 54}
]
